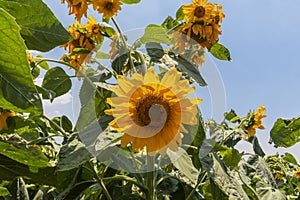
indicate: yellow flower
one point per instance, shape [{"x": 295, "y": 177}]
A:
[
  {"x": 151, "y": 112},
  {"x": 199, "y": 10},
  {"x": 278, "y": 176},
  {"x": 3, "y": 118},
  {"x": 297, "y": 173},
  {"x": 77, "y": 7},
  {"x": 108, "y": 8},
  {"x": 94, "y": 30},
  {"x": 29, "y": 57},
  {"x": 258, "y": 115}
]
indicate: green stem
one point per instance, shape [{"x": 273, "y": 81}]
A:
[
  {"x": 124, "y": 42},
  {"x": 150, "y": 178},
  {"x": 128, "y": 179},
  {"x": 144, "y": 66},
  {"x": 63, "y": 132},
  {"x": 199, "y": 182}
]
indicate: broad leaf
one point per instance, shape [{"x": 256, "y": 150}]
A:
[
  {"x": 4, "y": 192},
  {"x": 155, "y": 33},
  {"x": 286, "y": 133},
  {"x": 183, "y": 163},
  {"x": 72, "y": 154},
  {"x": 225, "y": 179},
  {"x": 25, "y": 154},
  {"x": 170, "y": 23},
  {"x": 290, "y": 158},
  {"x": 56, "y": 80},
  {"x": 17, "y": 91},
  {"x": 267, "y": 192},
  {"x": 220, "y": 51},
  {"x": 39, "y": 27}
]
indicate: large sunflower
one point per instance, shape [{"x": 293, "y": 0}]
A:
[
  {"x": 108, "y": 8},
  {"x": 151, "y": 112}
]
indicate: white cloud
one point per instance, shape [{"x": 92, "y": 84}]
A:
[{"x": 59, "y": 101}]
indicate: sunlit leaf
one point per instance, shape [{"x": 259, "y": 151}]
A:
[
  {"x": 220, "y": 51},
  {"x": 130, "y": 1},
  {"x": 155, "y": 33},
  {"x": 17, "y": 91},
  {"x": 4, "y": 192},
  {"x": 39, "y": 27},
  {"x": 286, "y": 133}
]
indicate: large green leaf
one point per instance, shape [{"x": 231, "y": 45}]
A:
[
  {"x": 39, "y": 27},
  {"x": 17, "y": 91},
  {"x": 222, "y": 177},
  {"x": 155, "y": 33},
  {"x": 267, "y": 192},
  {"x": 184, "y": 164},
  {"x": 56, "y": 80},
  {"x": 72, "y": 154},
  {"x": 286, "y": 133},
  {"x": 28, "y": 155}
]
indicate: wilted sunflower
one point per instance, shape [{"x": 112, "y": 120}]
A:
[
  {"x": 151, "y": 112},
  {"x": 108, "y": 8},
  {"x": 77, "y": 7},
  {"x": 257, "y": 123},
  {"x": 3, "y": 118}
]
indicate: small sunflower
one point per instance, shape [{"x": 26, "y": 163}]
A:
[
  {"x": 108, "y": 8},
  {"x": 297, "y": 173},
  {"x": 151, "y": 112},
  {"x": 199, "y": 10},
  {"x": 257, "y": 123},
  {"x": 278, "y": 176},
  {"x": 3, "y": 118},
  {"x": 77, "y": 7}
]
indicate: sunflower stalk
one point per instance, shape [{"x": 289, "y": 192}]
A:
[{"x": 150, "y": 195}]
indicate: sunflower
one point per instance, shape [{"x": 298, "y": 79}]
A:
[
  {"x": 77, "y": 7},
  {"x": 108, "y": 8},
  {"x": 257, "y": 123},
  {"x": 151, "y": 112},
  {"x": 297, "y": 173},
  {"x": 199, "y": 10},
  {"x": 3, "y": 118}
]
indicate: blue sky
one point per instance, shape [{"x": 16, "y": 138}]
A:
[{"x": 263, "y": 37}]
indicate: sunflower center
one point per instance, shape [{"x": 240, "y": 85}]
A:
[
  {"x": 153, "y": 111},
  {"x": 199, "y": 11},
  {"x": 109, "y": 5}
]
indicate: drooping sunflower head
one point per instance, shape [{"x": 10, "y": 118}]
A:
[
  {"x": 151, "y": 112},
  {"x": 77, "y": 7},
  {"x": 108, "y": 8},
  {"x": 256, "y": 121}
]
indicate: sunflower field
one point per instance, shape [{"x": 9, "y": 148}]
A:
[{"x": 140, "y": 132}]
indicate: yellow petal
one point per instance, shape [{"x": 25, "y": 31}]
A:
[
  {"x": 151, "y": 76},
  {"x": 171, "y": 78}
]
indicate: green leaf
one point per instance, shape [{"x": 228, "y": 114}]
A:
[
  {"x": 25, "y": 154},
  {"x": 191, "y": 70},
  {"x": 267, "y": 192},
  {"x": 290, "y": 158},
  {"x": 180, "y": 14},
  {"x": 220, "y": 51},
  {"x": 119, "y": 63},
  {"x": 256, "y": 146},
  {"x": 17, "y": 91},
  {"x": 231, "y": 116},
  {"x": 109, "y": 30},
  {"x": 43, "y": 64},
  {"x": 169, "y": 23},
  {"x": 130, "y": 1},
  {"x": 155, "y": 33},
  {"x": 286, "y": 133},
  {"x": 57, "y": 81},
  {"x": 231, "y": 157},
  {"x": 225, "y": 179},
  {"x": 64, "y": 123},
  {"x": 183, "y": 163},
  {"x": 39, "y": 27},
  {"x": 81, "y": 51},
  {"x": 102, "y": 55},
  {"x": 72, "y": 154},
  {"x": 155, "y": 51},
  {"x": 4, "y": 192}
]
